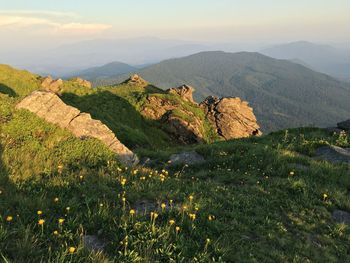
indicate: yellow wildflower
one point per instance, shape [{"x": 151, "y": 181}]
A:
[
  {"x": 132, "y": 212},
  {"x": 41, "y": 222},
  {"x": 163, "y": 206},
  {"x": 71, "y": 250},
  {"x": 177, "y": 229},
  {"x": 171, "y": 221},
  {"x": 39, "y": 212},
  {"x": 192, "y": 217},
  {"x": 55, "y": 232},
  {"x": 9, "y": 218},
  {"x": 325, "y": 196},
  {"x": 60, "y": 221},
  {"x": 56, "y": 199}
]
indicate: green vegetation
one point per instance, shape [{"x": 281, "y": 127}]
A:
[
  {"x": 283, "y": 94},
  {"x": 253, "y": 200}
]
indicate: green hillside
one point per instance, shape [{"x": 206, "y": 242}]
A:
[
  {"x": 283, "y": 94},
  {"x": 253, "y": 200}
]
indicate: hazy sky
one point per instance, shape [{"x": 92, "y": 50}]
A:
[{"x": 39, "y": 23}]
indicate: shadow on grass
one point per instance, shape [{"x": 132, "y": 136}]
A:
[
  {"x": 7, "y": 90},
  {"x": 122, "y": 118}
]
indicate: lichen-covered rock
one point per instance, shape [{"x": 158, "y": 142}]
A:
[
  {"x": 232, "y": 117},
  {"x": 52, "y": 85},
  {"x": 82, "y": 82},
  {"x": 51, "y": 108},
  {"x": 185, "y": 92}
]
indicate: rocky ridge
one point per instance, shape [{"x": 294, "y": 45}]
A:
[
  {"x": 48, "y": 106},
  {"x": 231, "y": 118}
]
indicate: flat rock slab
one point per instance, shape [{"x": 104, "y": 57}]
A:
[
  {"x": 186, "y": 158},
  {"x": 48, "y": 106},
  {"x": 341, "y": 217},
  {"x": 93, "y": 243},
  {"x": 333, "y": 154}
]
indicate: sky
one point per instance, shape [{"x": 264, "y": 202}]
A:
[
  {"x": 31, "y": 27},
  {"x": 201, "y": 20}
]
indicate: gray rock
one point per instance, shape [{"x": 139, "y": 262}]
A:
[
  {"x": 186, "y": 158},
  {"x": 93, "y": 243},
  {"x": 345, "y": 125},
  {"x": 340, "y": 217},
  {"x": 333, "y": 154},
  {"x": 232, "y": 117},
  {"x": 48, "y": 106}
]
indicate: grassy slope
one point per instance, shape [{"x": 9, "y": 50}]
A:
[{"x": 262, "y": 212}]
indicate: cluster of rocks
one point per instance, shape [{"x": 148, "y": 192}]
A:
[
  {"x": 48, "y": 106},
  {"x": 231, "y": 117},
  {"x": 82, "y": 82},
  {"x": 55, "y": 85}
]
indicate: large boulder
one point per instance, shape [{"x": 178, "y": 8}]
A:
[
  {"x": 53, "y": 85},
  {"x": 232, "y": 117},
  {"x": 345, "y": 125},
  {"x": 185, "y": 92},
  {"x": 48, "y": 106}
]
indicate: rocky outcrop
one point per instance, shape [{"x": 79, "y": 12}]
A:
[
  {"x": 231, "y": 117},
  {"x": 52, "y": 85},
  {"x": 82, "y": 82},
  {"x": 345, "y": 125},
  {"x": 136, "y": 80},
  {"x": 185, "y": 92},
  {"x": 182, "y": 124},
  {"x": 51, "y": 108}
]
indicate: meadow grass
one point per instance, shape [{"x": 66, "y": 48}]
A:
[{"x": 263, "y": 199}]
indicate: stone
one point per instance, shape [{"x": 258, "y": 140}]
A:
[
  {"x": 182, "y": 124},
  {"x": 94, "y": 243},
  {"x": 185, "y": 92},
  {"x": 185, "y": 130},
  {"x": 345, "y": 125},
  {"x": 189, "y": 158},
  {"x": 48, "y": 106},
  {"x": 232, "y": 117},
  {"x": 52, "y": 85},
  {"x": 333, "y": 154},
  {"x": 341, "y": 217},
  {"x": 82, "y": 82},
  {"x": 136, "y": 80}
]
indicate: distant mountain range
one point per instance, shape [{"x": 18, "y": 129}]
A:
[
  {"x": 323, "y": 58},
  {"x": 104, "y": 72},
  {"x": 283, "y": 94}
]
